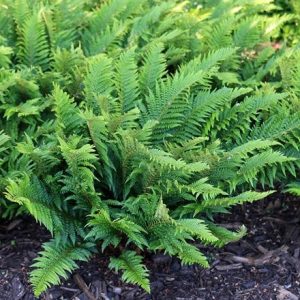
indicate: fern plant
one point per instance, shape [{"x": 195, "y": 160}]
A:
[
  {"x": 126, "y": 173},
  {"x": 128, "y": 124}
]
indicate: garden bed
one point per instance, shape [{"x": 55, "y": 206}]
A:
[{"x": 263, "y": 265}]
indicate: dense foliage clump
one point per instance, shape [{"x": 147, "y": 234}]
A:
[{"x": 126, "y": 125}]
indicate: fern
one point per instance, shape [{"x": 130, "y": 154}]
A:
[
  {"x": 55, "y": 262},
  {"x": 154, "y": 68},
  {"x": 3, "y": 140},
  {"x": 36, "y": 201},
  {"x": 111, "y": 231},
  {"x": 5, "y": 53},
  {"x": 67, "y": 115},
  {"x": 224, "y": 235},
  {"x": 218, "y": 203},
  {"x": 126, "y": 81},
  {"x": 98, "y": 81},
  {"x": 109, "y": 37},
  {"x": 34, "y": 46},
  {"x": 125, "y": 126},
  {"x": 293, "y": 188},
  {"x": 133, "y": 271},
  {"x": 191, "y": 255},
  {"x": 32, "y": 195},
  {"x": 197, "y": 228},
  {"x": 63, "y": 21}
]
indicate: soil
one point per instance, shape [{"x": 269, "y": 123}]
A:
[{"x": 263, "y": 265}]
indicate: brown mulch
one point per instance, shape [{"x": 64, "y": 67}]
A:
[{"x": 263, "y": 265}]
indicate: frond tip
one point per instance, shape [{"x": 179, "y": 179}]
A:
[
  {"x": 133, "y": 269},
  {"x": 293, "y": 188}
]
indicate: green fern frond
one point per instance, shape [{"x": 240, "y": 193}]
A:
[
  {"x": 277, "y": 127},
  {"x": 21, "y": 11},
  {"x": 191, "y": 255},
  {"x": 293, "y": 188},
  {"x": 33, "y": 43},
  {"x": 111, "y": 231},
  {"x": 224, "y": 235},
  {"x": 126, "y": 80},
  {"x": 98, "y": 81},
  {"x": 197, "y": 228},
  {"x": 208, "y": 61},
  {"x": 133, "y": 269},
  {"x": 150, "y": 17},
  {"x": 66, "y": 60},
  {"x": 106, "y": 14},
  {"x": 209, "y": 204},
  {"x": 154, "y": 68},
  {"x": 66, "y": 112},
  {"x": 102, "y": 42},
  {"x": 206, "y": 108},
  {"x": 29, "y": 108},
  {"x": 80, "y": 161},
  {"x": 99, "y": 134},
  {"x": 255, "y": 163},
  {"x": 4, "y": 138},
  {"x": 244, "y": 149},
  {"x": 33, "y": 196},
  {"x": 219, "y": 35},
  {"x": 248, "y": 33},
  {"x": 55, "y": 262},
  {"x": 202, "y": 187},
  {"x": 168, "y": 104},
  {"x": 63, "y": 21},
  {"x": 5, "y": 54}
]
